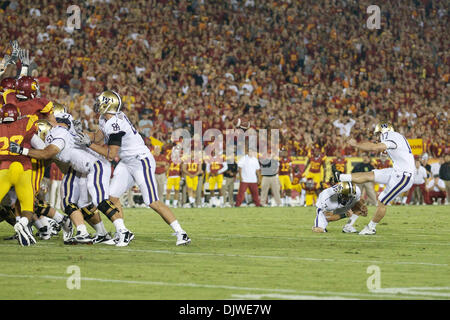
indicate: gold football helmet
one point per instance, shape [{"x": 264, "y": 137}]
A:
[
  {"x": 383, "y": 127},
  {"x": 348, "y": 189},
  {"x": 43, "y": 127},
  {"x": 58, "y": 108},
  {"x": 345, "y": 189},
  {"x": 108, "y": 102}
]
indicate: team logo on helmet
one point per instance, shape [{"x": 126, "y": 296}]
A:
[{"x": 108, "y": 102}]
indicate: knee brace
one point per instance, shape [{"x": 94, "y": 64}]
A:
[
  {"x": 70, "y": 208},
  {"x": 107, "y": 208},
  {"x": 41, "y": 208},
  {"x": 88, "y": 212}
]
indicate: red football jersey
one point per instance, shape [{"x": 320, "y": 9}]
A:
[
  {"x": 55, "y": 173},
  {"x": 316, "y": 164},
  {"x": 193, "y": 167},
  {"x": 382, "y": 164},
  {"x": 160, "y": 168},
  {"x": 38, "y": 107},
  {"x": 285, "y": 166},
  {"x": 296, "y": 177},
  {"x": 341, "y": 164},
  {"x": 19, "y": 133},
  {"x": 216, "y": 164},
  {"x": 174, "y": 170}
]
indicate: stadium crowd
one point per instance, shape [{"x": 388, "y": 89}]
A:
[{"x": 311, "y": 69}]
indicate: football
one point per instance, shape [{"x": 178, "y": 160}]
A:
[{"x": 242, "y": 123}]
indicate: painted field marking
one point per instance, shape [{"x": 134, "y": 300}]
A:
[
  {"x": 286, "y": 297},
  {"x": 230, "y": 255},
  {"x": 370, "y": 295}
]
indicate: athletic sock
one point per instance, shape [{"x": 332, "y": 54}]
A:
[
  {"x": 352, "y": 219},
  {"x": 221, "y": 201},
  {"x": 191, "y": 200},
  {"x": 38, "y": 224},
  {"x": 345, "y": 177},
  {"x": 58, "y": 217},
  {"x": 176, "y": 227},
  {"x": 167, "y": 202},
  {"x": 372, "y": 225},
  {"x": 82, "y": 229},
  {"x": 100, "y": 228},
  {"x": 119, "y": 224},
  {"x": 175, "y": 202}
]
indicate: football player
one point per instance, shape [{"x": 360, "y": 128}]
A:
[
  {"x": 15, "y": 169},
  {"x": 284, "y": 174},
  {"x": 191, "y": 171},
  {"x": 315, "y": 166},
  {"x": 173, "y": 183},
  {"x": 117, "y": 137},
  {"x": 74, "y": 189},
  {"x": 337, "y": 202},
  {"x": 60, "y": 145},
  {"x": 215, "y": 167},
  {"x": 8, "y": 63},
  {"x": 397, "y": 179}
]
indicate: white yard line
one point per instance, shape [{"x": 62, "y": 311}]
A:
[
  {"x": 272, "y": 292},
  {"x": 264, "y": 257}
]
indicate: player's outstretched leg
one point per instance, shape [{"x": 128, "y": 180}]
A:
[{"x": 168, "y": 216}]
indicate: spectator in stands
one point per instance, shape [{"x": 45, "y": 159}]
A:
[{"x": 212, "y": 58}]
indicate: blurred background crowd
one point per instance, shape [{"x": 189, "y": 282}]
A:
[{"x": 311, "y": 69}]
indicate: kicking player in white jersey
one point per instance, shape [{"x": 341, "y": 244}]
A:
[
  {"x": 60, "y": 145},
  {"x": 136, "y": 165},
  {"x": 397, "y": 179},
  {"x": 337, "y": 202}
]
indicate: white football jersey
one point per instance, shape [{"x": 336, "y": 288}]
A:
[
  {"x": 133, "y": 146},
  {"x": 69, "y": 117},
  {"x": 399, "y": 151},
  {"x": 328, "y": 201},
  {"x": 78, "y": 158}
]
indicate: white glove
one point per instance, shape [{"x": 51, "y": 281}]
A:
[
  {"x": 24, "y": 56},
  {"x": 82, "y": 139},
  {"x": 78, "y": 126}
]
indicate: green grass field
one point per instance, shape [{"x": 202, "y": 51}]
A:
[{"x": 245, "y": 253}]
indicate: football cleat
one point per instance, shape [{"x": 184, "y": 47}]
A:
[
  {"x": 349, "y": 229},
  {"x": 55, "y": 228},
  {"x": 24, "y": 236},
  {"x": 67, "y": 227},
  {"x": 104, "y": 239},
  {"x": 368, "y": 231},
  {"x": 79, "y": 239},
  {"x": 319, "y": 230},
  {"x": 44, "y": 233},
  {"x": 123, "y": 238},
  {"x": 182, "y": 238}
]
